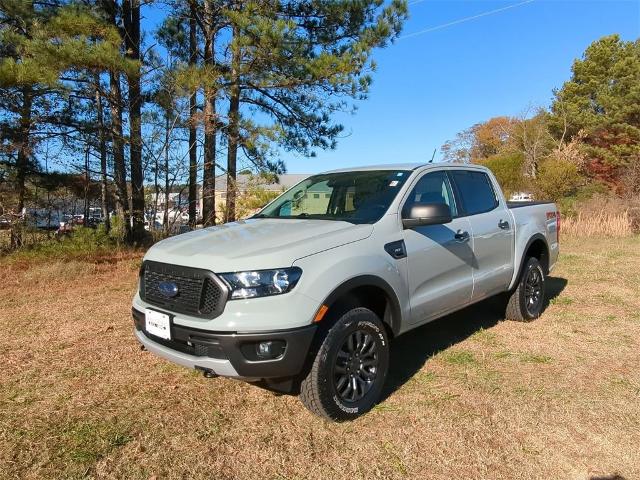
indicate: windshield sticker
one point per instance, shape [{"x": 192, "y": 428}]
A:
[
  {"x": 399, "y": 174},
  {"x": 394, "y": 183}
]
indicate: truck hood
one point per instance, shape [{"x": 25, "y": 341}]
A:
[{"x": 255, "y": 244}]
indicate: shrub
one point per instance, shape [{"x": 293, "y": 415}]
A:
[
  {"x": 557, "y": 178},
  {"x": 507, "y": 168}
]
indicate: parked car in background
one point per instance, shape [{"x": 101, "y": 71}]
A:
[
  {"x": 42, "y": 218},
  {"x": 5, "y": 222},
  {"x": 306, "y": 295}
]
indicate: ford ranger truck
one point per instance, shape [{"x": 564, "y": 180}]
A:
[{"x": 305, "y": 296}]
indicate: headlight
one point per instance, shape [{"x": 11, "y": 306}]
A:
[{"x": 261, "y": 283}]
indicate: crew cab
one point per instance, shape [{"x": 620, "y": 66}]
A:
[{"x": 306, "y": 295}]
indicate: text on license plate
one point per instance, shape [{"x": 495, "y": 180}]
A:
[{"x": 157, "y": 324}]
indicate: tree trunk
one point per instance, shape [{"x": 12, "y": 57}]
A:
[
  {"x": 165, "y": 218},
  {"x": 210, "y": 125},
  {"x": 87, "y": 181},
  {"x": 22, "y": 162},
  {"x": 234, "y": 129},
  {"x": 104, "y": 192},
  {"x": 193, "y": 153},
  {"x": 156, "y": 189},
  {"x": 119, "y": 166},
  {"x": 131, "y": 14}
]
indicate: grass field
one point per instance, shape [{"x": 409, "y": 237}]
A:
[{"x": 469, "y": 396}]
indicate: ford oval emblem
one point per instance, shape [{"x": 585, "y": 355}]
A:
[{"x": 168, "y": 289}]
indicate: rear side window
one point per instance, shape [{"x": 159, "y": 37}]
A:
[{"x": 477, "y": 194}]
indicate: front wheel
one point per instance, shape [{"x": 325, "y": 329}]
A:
[
  {"x": 527, "y": 300},
  {"x": 350, "y": 368}
]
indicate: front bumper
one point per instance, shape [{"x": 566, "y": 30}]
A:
[{"x": 229, "y": 354}]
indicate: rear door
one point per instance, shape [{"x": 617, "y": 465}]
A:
[
  {"x": 491, "y": 228},
  {"x": 440, "y": 257}
]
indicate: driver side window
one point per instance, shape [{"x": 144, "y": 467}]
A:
[{"x": 433, "y": 188}]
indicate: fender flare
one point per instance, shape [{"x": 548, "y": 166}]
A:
[
  {"x": 375, "y": 281},
  {"x": 535, "y": 237}
]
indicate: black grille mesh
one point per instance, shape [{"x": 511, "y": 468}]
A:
[
  {"x": 198, "y": 294},
  {"x": 210, "y": 297}
]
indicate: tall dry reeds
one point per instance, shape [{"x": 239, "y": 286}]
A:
[{"x": 601, "y": 224}]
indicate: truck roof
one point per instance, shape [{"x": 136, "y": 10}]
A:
[{"x": 405, "y": 166}]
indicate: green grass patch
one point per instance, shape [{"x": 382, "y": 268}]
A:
[
  {"x": 523, "y": 357},
  {"x": 396, "y": 460},
  {"x": 561, "y": 301},
  {"x": 489, "y": 380},
  {"x": 569, "y": 258},
  {"x": 502, "y": 354},
  {"x": 486, "y": 337},
  {"x": 610, "y": 298},
  {"x": 459, "y": 357},
  {"x": 532, "y": 358},
  {"x": 83, "y": 443},
  {"x": 385, "y": 407},
  {"x": 625, "y": 383}
]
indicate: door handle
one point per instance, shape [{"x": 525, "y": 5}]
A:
[
  {"x": 503, "y": 224},
  {"x": 461, "y": 236}
]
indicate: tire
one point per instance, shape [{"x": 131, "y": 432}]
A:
[
  {"x": 356, "y": 351},
  {"x": 527, "y": 300}
]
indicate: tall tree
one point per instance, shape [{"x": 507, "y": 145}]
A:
[
  {"x": 233, "y": 139},
  {"x": 131, "y": 15},
  {"x": 297, "y": 63},
  {"x": 193, "y": 111},
  {"x": 39, "y": 42},
  {"x": 602, "y": 102},
  {"x": 210, "y": 24},
  {"x": 102, "y": 148}
]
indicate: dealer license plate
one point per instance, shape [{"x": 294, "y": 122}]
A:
[{"x": 157, "y": 324}]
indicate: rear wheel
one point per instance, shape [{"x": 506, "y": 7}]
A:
[
  {"x": 349, "y": 371},
  {"x": 527, "y": 300}
]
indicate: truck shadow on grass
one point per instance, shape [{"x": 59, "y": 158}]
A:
[{"x": 410, "y": 352}]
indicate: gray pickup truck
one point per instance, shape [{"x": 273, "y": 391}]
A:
[{"x": 305, "y": 296}]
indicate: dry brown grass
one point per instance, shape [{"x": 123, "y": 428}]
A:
[
  {"x": 602, "y": 224},
  {"x": 469, "y": 396}
]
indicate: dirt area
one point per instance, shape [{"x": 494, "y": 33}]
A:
[{"x": 469, "y": 396}]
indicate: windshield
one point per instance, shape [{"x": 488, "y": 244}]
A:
[{"x": 356, "y": 197}]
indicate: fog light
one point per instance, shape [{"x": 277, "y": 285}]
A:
[
  {"x": 270, "y": 349},
  {"x": 264, "y": 349}
]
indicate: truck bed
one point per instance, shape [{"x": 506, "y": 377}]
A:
[{"x": 527, "y": 203}]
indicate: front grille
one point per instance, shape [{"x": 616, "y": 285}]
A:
[{"x": 200, "y": 292}]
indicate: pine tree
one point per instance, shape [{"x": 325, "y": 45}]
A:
[
  {"x": 39, "y": 42},
  {"x": 296, "y": 63},
  {"x": 601, "y": 101}
]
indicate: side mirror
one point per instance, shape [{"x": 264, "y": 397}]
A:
[
  {"x": 285, "y": 209},
  {"x": 426, "y": 214}
]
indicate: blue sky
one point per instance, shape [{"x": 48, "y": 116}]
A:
[{"x": 430, "y": 86}]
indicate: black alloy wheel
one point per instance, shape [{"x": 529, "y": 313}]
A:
[{"x": 356, "y": 366}]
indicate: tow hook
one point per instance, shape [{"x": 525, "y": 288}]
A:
[{"x": 207, "y": 372}]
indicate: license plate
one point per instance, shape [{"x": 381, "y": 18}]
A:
[{"x": 157, "y": 324}]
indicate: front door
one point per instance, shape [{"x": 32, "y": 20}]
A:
[{"x": 439, "y": 257}]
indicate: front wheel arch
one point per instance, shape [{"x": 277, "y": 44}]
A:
[{"x": 367, "y": 291}]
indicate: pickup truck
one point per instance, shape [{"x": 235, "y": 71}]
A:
[{"x": 305, "y": 296}]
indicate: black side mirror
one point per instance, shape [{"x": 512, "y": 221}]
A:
[{"x": 420, "y": 214}]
